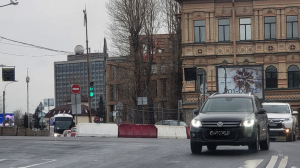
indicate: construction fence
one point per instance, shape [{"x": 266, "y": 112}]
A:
[
  {"x": 19, "y": 131},
  {"x": 148, "y": 115}
]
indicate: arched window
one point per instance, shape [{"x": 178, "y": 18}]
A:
[
  {"x": 201, "y": 78},
  {"x": 293, "y": 76},
  {"x": 271, "y": 77}
]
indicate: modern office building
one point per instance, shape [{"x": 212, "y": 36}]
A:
[{"x": 74, "y": 71}]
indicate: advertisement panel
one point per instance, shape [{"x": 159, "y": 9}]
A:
[
  {"x": 241, "y": 79},
  {"x": 9, "y": 119}
]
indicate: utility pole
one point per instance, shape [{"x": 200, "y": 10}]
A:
[
  {"x": 27, "y": 81},
  {"x": 3, "y": 123},
  {"x": 87, "y": 63}
]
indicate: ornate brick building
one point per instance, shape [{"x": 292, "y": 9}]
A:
[{"x": 244, "y": 32}]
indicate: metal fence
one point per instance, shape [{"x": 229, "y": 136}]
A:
[{"x": 148, "y": 115}]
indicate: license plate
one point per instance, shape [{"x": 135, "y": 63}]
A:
[
  {"x": 273, "y": 124},
  {"x": 219, "y": 133}
]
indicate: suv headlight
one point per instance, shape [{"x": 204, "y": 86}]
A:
[
  {"x": 196, "y": 123},
  {"x": 248, "y": 123},
  {"x": 288, "y": 119}
]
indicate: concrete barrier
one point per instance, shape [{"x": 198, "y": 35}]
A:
[
  {"x": 29, "y": 132},
  {"x": 137, "y": 131},
  {"x": 171, "y": 132},
  {"x": 9, "y": 131},
  {"x": 188, "y": 132},
  {"x": 97, "y": 130},
  {"x": 21, "y": 131}
]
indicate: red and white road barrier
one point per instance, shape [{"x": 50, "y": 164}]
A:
[{"x": 132, "y": 131}]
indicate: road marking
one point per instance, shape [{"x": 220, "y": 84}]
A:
[
  {"x": 49, "y": 161},
  {"x": 252, "y": 163},
  {"x": 293, "y": 167},
  {"x": 2, "y": 160},
  {"x": 272, "y": 162},
  {"x": 283, "y": 162}
]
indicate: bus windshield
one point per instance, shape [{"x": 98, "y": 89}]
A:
[{"x": 63, "y": 125}]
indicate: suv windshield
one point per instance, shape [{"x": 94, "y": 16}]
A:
[
  {"x": 228, "y": 105},
  {"x": 276, "y": 108}
]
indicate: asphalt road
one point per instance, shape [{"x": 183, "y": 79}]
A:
[{"x": 80, "y": 152}]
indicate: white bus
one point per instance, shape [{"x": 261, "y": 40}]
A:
[{"x": 59, "y": 123}]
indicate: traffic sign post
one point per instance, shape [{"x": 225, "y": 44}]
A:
[
  {"x": 75, "y": 89},
  {"x": 76, "y": 100}
]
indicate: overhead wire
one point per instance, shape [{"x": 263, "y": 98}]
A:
[{"x": 36, "y": 46}]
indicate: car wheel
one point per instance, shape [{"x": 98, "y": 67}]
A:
[
  {"x": 196, "y": 148},
  {"x": 212, "y": 147},
  {"x": 265, "y": 144},
  {"x": 289, "y": 137},
  {"x": 254, "y": 147}
]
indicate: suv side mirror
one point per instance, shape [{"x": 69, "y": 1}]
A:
[
  {"x": 196, "y": 111},
  {"x": 295, "y": 112},
  {"x": 261, "y": 111}
]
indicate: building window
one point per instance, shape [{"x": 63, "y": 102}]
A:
[
  {"x": 153, "y": 69},
  {"x": 224, "y": 30},
  {"x": 293, "y": 76},
  {"x": 271, "y": 77},
  {"x": 201, "y": 78},
  {"x": 245, "y": 29},
  {"x": 199, "y": 27},
  {"x": 292, "y": 26},
  {"x": 270, "y": 28},
  {"x": 163, "y": 68}
]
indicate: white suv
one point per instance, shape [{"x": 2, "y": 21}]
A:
[{"x": 281, "y": 120}]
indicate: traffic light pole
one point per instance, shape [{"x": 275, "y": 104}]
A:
[{"x": 3, "y": 108}]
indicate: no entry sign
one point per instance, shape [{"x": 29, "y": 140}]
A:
[{"x": 75, "y": 89}]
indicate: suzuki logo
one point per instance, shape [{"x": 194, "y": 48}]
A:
[{"x": 219, "y": 124}]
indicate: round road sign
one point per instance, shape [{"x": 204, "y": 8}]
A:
[{"x": 75, "y": 89}]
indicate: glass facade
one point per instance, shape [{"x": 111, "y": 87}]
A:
[{"x": 67, "y": 74}]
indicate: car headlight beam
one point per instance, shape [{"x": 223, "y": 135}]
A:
[
  {"x": 196, "y": 123},
  {"x": 248, "y": 123}
]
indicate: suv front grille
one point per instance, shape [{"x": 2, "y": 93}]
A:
[{"x": 214, "y": 124}]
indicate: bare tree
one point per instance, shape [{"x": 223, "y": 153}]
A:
[
  {"x": 18, "y": 116},
  {"x": 171, "y": 10},
  {"x": 134, "y": 23}
]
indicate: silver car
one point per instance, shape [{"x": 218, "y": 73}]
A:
[{"x": 281, "y": 120}]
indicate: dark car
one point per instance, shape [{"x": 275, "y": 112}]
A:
[{"x": 230, "y": 119}]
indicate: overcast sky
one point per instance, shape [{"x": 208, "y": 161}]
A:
[{"x": 55, "y": 24}]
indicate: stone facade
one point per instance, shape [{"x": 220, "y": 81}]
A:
[{"x": 281, "y": 52}]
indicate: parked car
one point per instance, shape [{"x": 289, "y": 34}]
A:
[
  {"x": 230, "y": 119},
  {"x": 66, "y": 132},
  {"x": 281, "y": 120},
  {"x": 73, "y": 132},
  {"x": 171, "y": 123}
]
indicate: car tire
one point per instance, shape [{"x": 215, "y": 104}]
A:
[
  {"x": 212, "y": 147},
  {"x": 254, "y": 147},
  {"x": 289, "y": 137},
  {"x": 265, "y": 144},
  {"x": 196, "y": 148}
]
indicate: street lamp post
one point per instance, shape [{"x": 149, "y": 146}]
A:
[
  {"x": 4, "y": 101},
  {"x": 12, "y": 2}
]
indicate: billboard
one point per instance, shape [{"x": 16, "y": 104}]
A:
[
  {"x": 241, "y": 79},
  {"x": 9, "y": 119}
]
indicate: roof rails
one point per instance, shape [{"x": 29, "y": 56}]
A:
[{"x": 214, "y": 94}]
